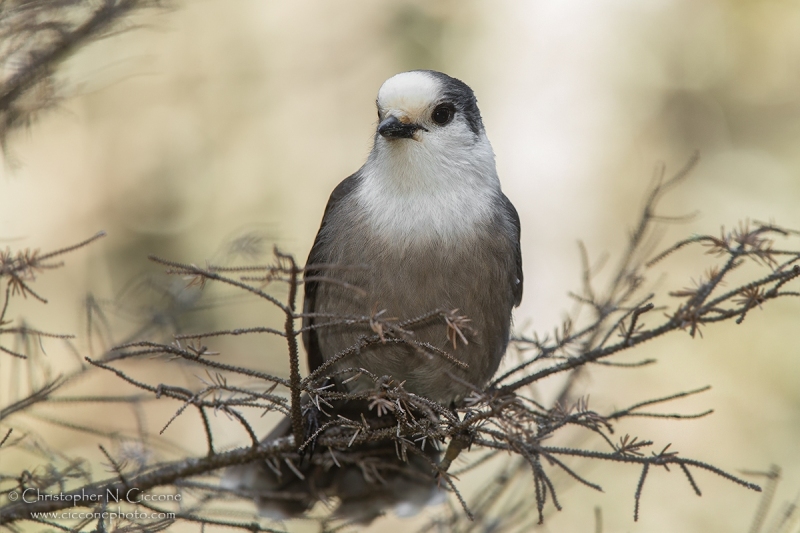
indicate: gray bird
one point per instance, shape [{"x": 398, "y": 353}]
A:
[
  {"x": 426, "y": 217},
  {"x": 422, "y": 226}
]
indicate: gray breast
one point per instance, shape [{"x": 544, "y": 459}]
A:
[{"x": 476, "y": 275}]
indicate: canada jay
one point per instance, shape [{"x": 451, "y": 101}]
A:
[
  {"x": 422, "y": 226},
  {"x": 426, "y": 215}
]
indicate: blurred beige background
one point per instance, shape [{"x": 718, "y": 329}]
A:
[{"x": 222, "y": 116}]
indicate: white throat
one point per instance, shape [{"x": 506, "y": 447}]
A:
[{"x": 421, "y": 192}]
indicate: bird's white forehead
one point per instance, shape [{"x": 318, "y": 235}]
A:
[{"x": 408, "y": 91}]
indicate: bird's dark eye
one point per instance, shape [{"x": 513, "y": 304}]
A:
[{"x": 443, "y": 113}]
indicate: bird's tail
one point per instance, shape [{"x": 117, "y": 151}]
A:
[{"x": 358, "y": 482}]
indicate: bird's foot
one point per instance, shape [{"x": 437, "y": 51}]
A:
[{"x": 459, "y": 441}]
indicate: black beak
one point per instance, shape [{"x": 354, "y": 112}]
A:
[{"x": 391, "y": 128}]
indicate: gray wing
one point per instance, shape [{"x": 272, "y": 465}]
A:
[
  {"x": 316, "y": 257},
  {"x": 513, "y": 217}
]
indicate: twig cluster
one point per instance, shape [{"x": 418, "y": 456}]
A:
[
  {"x": 36, "y": 36},
  {"x": 385, "y": 427}
]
